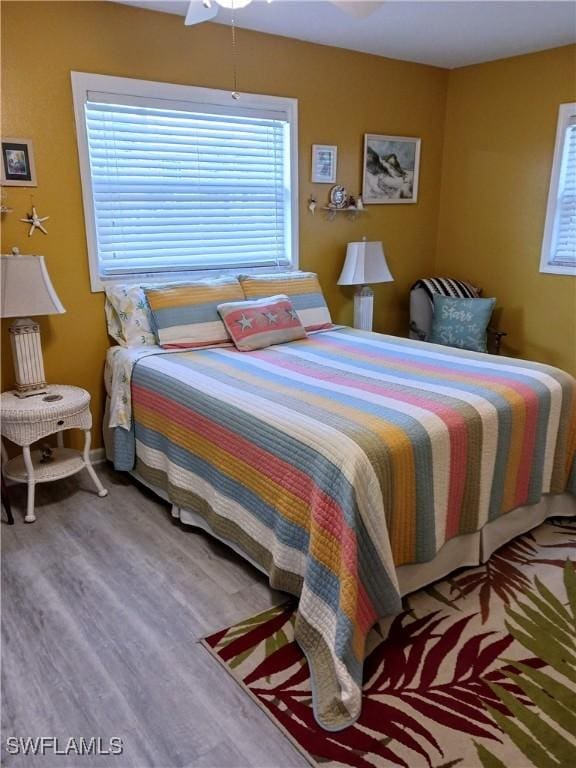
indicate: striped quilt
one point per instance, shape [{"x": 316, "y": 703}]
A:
[{"x": 334, "y": 459}]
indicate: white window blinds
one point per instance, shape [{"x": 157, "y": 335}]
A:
[
  {"x": 180, "y": 181},
  {"x": 176, "y": 190},
  {"x": 559, "y": 242},
  {"x": 563, "y": 251}
]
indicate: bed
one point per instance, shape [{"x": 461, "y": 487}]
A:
[{"x": 351, "y": 467}]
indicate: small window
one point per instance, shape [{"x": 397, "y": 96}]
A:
[
  {"x": 559, "y": 243},
  {"x": 180, "y": 181}
]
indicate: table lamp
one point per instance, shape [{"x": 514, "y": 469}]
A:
[
  {"x": 365, "y": 263},
  {"x": 26, "y": 290}
]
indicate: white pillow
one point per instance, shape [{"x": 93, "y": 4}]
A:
[{"x": 128, "y": 316}]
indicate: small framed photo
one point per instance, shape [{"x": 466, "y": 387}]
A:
[
  {"x": 391, "y": 168},
  {"x": 324, "y": 160},
  {"x": 18, "y": 169}
]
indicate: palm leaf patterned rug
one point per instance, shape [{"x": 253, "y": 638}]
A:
[{"x": 479, "y": 669}]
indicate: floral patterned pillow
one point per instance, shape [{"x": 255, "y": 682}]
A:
[{"x": 128, "y": 316}]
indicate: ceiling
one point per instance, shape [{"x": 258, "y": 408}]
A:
[{"x": 443, "y": 33}]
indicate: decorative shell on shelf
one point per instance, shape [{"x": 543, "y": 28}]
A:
[{"x": 338, "y": 197}]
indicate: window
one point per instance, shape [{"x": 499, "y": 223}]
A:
[
  {"x": 559, "y": 244},
  {"x": 180, "y": 181}
]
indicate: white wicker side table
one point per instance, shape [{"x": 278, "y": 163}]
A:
[{"x": 26, "y": 420}]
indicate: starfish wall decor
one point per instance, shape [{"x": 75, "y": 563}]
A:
[{"x": 35, "y": 221}]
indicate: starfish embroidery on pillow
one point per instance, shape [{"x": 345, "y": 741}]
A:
[
  {"x": 272, "y": 317},
  {"x": 244, "y": 322},
  {"x": 293, "y": 314}
]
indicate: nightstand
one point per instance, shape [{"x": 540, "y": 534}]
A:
[{"x": 26, "y": 420}]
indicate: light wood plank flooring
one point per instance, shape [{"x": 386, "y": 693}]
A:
[{"x": 103, "y": 601}]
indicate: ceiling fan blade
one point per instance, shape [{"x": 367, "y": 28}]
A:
[
  {"x": 360, "y": 9},
  {"x": 198, "y": 12}
]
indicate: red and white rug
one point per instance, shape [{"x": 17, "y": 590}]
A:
[{"x": 479, "y": 670}]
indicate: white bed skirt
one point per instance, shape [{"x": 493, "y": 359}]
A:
[
  {"x": 469, "y": 550},
  {"x": 475, "y": 548}
]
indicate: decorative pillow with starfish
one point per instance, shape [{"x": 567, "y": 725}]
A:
[{"x": 261, "y": 322}]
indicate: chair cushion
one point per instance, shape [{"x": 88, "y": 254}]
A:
[
  {"x": 186, "y": 316},
  {"x": 262, "y": 322},
  {"x": 461, "y": 322},
  {"x": 303, "y": 289}
]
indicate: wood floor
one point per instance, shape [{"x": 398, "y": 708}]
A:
[{"x": 103, "y": 601}]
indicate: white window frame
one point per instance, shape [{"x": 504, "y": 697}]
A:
[
  {"x": 565, "y": 113},
  {"x": 84, "y": 82}
]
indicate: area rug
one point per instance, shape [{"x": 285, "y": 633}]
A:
[{"x": 479, "y": 669}]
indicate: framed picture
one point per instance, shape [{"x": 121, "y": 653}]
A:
[
  {"x": 324, "y": 159},
  {"x": 18, "y": 169},
  {"x": 390, "y": 171}
]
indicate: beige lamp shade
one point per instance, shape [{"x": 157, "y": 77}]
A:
[
  {"x": 26, "y": 288},
  {"x": 365, "y": 264}
]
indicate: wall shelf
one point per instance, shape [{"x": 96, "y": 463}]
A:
[{"x": 351, "y": 210}]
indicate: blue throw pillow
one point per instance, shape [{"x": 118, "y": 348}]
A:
[{"x": 461, "y": 322}]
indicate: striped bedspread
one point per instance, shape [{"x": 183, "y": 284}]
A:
[{"x": 331, "y": 460}]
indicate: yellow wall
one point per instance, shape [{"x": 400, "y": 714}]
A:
[
  {"x": 341, "y": 96},
  {"x": 499, "y": 142},
  {"x": 497, "y": 121}
]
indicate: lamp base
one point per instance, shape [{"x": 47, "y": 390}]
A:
[
  {"x": 22, "y": 392},
  {"x": 27, "y": 358},
  {"x": 363, "y": 308}
]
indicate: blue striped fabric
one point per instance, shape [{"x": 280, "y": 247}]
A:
[
  {"x": 186, "y": 316},
  {"x": 332, "y": 460}
]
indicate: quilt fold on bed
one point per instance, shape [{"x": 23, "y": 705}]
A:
[{"x": 332, "y": 460}]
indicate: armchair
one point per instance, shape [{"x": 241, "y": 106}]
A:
[{"x": 422, "y": 306}]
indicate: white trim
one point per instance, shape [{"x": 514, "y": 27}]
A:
[
  {"x": 97, "y": 455},
  {"x": 565, "y": 113},
  {"x": 83, "y": 83}
]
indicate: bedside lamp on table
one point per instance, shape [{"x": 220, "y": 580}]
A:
[
  {"x": 365, "y": 263},
  {"x": 27, "y": 291}
]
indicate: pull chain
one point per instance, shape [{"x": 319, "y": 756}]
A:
[{"x": 235, "y": 94}]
